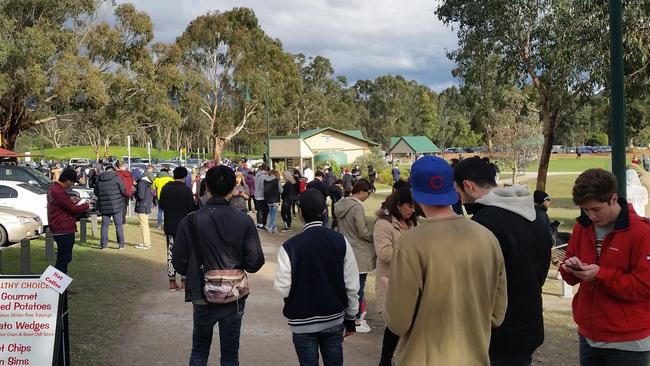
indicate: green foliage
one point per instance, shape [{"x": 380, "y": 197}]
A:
[
  {"x": 597, "y": 139},
  {"x": 374, "y": 158}
]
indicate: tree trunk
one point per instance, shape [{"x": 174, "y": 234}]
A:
[
  {"x": 545, "y": 158},
  {"x": 218, "y": 148}
]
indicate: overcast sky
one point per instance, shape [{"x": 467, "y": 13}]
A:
[{"x": 363, "y": 38}]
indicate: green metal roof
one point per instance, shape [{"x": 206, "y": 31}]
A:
[{"x": 419, "y": 144}]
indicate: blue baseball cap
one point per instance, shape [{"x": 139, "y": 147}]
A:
[{"x": 432, "y": 182}]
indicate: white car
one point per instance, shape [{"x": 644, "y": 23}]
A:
[
  {"x": 16, "y": 225},
  {"x": 25, "y": 197}
]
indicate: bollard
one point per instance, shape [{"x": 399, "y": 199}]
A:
[
  {"x": 567, "y": 290},
  {"x": 93, "y": 225},
  {"x": 83, "y": 229},
  {"x": 25, "y": 257},
  {"x": 49, "y": 246}
]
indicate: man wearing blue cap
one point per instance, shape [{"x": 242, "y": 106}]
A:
[{"x": 448, "y": 284}]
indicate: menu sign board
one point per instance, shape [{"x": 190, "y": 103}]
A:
[{"x": 29, "y": 312}]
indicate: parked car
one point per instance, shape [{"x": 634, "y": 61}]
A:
[
  {"x": 570, "y": 150},
  {"x": 454, "y": 150},
  {"x": 596, "y": 150},
  {"x": 558, "y": 149},
  {"x": 24, "y": 196},
  {"x": 16, "y": 225},
  {"x": 192, "y": 163},
  {"x": 38, "y": 179},
  {"x": 584, "y": 150},
  {"x": 79, "y": 162},
  {"x": 606, "y": 148}
]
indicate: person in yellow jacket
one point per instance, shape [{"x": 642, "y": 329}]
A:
[
  {"x": 447, "y": 280},
  {"x": 161, "y": 180}
]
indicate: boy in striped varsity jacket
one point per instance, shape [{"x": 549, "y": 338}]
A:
[{"x": 318, "y": 276}]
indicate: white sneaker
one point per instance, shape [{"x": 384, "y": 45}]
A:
[
  {"x": 142, "y": 246},
  {"x": 363, "y": 327}
]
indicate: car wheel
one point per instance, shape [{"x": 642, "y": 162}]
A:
[{"x": 3, "y": 236}]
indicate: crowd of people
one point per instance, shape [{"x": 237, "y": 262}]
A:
[{"x": 451, "y": 290}]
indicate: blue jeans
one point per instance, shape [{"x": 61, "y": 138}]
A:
[
  {"x": 329, "y": 341},
  {"x": 273, "y": 209},
  {"x": 229, "y": 317},
  {"x": 119, "y": 229},
  {"x": 361, "y": 293},
  {"x": 590, "y": 356},
  {"x": 516, "y": 359},
  {"x": 64, "y": 244},
  {"x": 159, "y": 218}
]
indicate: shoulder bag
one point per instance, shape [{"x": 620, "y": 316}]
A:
[{"x": 220, "y": 286}]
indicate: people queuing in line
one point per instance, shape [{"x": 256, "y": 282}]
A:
[{"x": 500, "y": 257}]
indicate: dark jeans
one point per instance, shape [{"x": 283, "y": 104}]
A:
[
  {"x": 262, "y": 212},
  {"x": 285, "y": 212},
  {"x": 64, "y": 244},
  {"x": 361, "y": 293},
  {"x": 518, "y": 359},
  {"x": 590, "y": 356},
  {"x": 388, "y": 348},
  {"x": 119, "y": 229},
  {"x": 250, "y": 203},
  {"x": 229, "y": 317},
  {"x": 329, "y": 341},
  {"x": 125, "y": 207}
]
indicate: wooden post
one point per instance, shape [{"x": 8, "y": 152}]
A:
[
  {"x": 567, "y": 290},
  {"x": 83, "y": 230},
  {"x": 25, "y": 257},
  {"x": 49, "y": 245},
  {"x": 93, "y": 226}
]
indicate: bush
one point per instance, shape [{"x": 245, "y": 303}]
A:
[
  {"x": 385, "y": 176},
  {"x": 374, "y": 158},
  {"x": 597, "y": 139}
]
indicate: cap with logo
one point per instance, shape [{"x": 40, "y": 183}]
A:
[{"x": 432, "y": 182}]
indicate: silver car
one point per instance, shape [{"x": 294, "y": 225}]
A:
[{"x": 16, "y": 225}]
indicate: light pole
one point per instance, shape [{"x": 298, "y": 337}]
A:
[
  {"x": 247, "y": 99},
  {"x": 617, "y": 139}
]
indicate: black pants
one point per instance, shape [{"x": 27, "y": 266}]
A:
[
  {"x": 125, "y": 208},
  {"x": 388, "y": 348},
  {"x": 250, "y": 203},
  {"x": 64, "y": 245},
  {"x": 285, "y": 212},
  {"x": 262, "y": 212}
]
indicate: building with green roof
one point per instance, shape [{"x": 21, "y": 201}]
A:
[{"x": 413, "y": 146}]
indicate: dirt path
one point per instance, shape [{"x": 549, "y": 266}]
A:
[{"x": 163, "y": 334}]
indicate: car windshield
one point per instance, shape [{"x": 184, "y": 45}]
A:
[
  {"x": 31, "y": 188},
  {"x": 41, "y": 178}
]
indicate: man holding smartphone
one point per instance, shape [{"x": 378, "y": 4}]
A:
[{"x": 609, "y": 256}]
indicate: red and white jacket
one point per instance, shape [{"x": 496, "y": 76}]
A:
[{"x": 615, "y": 307}]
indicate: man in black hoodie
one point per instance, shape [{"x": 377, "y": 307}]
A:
[
  {"x": 509, "y": 213},
  {"x": 110, "y": 192},
  {"x": 176, "y": 201}
]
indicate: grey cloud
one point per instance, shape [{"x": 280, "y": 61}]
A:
[{"x": 363, "y": 38}]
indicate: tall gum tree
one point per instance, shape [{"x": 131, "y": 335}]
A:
[
  {"x": 229, "y": 54},
  {"x": 561, "y": 48}
]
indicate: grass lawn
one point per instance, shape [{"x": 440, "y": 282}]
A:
[
  {"x": 105, "y": 289},
  {"x": 68, "y": 152}
]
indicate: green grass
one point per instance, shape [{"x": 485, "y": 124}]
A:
[
  {"x": 569, "y": 163},
  {"x": 68, "y": 152},
  {"x": 106, "y": 288}
]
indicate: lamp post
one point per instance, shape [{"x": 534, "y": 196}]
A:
[{"x": 267, "y": 116}]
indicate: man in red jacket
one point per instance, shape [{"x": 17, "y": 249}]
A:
[
  {"x": 128, "y": 181},
  {"x": 61, "y": 212},
  {"x": 609, "y": 256}
]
